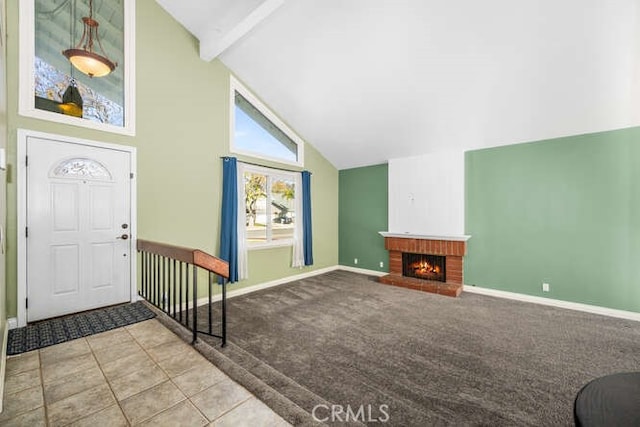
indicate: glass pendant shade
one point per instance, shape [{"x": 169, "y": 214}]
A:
[{"x": 89, "y": 63}]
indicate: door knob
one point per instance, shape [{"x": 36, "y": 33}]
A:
[{"x": 123, "y": 237}]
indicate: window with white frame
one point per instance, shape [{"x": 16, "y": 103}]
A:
[
  {"x": 270, "y": 197},
  {"x": 257, "y": 132},
  {"x": 58, "y": 83}
]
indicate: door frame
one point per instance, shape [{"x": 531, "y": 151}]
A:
[{"x": 21, "y": 175}]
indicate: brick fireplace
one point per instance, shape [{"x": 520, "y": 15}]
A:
[{"x": 426, "y": 263}]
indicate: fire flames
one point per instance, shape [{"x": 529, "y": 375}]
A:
[
  {"x": 427, "y": 267},
  {"x": 424, "y": 268}
]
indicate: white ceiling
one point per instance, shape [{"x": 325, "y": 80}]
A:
[{"x": 365, "y": 81}]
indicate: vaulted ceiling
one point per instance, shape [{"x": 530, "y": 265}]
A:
[{"x": 366, "y": 81}]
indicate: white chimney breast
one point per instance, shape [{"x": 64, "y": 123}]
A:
[{"x": 426, "y": 194}]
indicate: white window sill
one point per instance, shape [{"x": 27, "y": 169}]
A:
[{"x": 269, "y": 245}]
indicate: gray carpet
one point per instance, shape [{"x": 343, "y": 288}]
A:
[{"x": 344, "y": 339}]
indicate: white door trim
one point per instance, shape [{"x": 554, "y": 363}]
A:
[{"x": 21, "y": 175}]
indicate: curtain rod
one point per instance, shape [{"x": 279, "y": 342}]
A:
[{"x": 262, "y": 166}]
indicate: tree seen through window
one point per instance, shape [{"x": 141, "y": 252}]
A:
[{"x": 269, "y": 206}]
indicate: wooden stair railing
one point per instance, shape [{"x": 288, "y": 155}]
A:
[{"x": 166, "y": 268}]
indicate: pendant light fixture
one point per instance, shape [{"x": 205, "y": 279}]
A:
[
  {"x": 84, "y": 56},
  {"x": 72, "y": 100}
]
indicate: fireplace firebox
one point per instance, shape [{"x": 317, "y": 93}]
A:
[{"x": 422, "y": 266}]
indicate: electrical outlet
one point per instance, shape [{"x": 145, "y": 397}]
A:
[
  {"x": 355, "y": 260},
  {"x": 381, "y": 264},
  {"x": 545, "y": 287}
]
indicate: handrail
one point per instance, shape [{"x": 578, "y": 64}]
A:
[
  {"x": 188, "y": 255},
  {"x": 163, "y": 276}
]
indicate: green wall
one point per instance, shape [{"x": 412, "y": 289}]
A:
[
  {"x": 564, "y": 211},
  {"x": 363, "y": 213},
  {"x": 182, "y": 118}
]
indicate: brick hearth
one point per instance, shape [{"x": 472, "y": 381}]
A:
[{"x": 453, "y": 249}]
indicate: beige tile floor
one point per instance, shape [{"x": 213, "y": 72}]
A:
[{"x": 141, "y": 374}]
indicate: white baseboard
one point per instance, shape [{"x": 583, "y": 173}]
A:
[
  {"x": 594, "y": 309},
  {"x": 361, "y": 270},
  {"x": 12, "y": 323},
  {"x": 3, "y": 364}
]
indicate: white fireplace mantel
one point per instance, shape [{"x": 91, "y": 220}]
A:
[{"x": 407, "y": 235}]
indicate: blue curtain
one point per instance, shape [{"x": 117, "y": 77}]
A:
[
  {"x": 229, "y": 224},
  {"x": 306, "y": 218}
]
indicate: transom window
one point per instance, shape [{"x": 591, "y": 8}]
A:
[
  {"x": 270, "y": 198},
  {"x": 257, "y": 132}
]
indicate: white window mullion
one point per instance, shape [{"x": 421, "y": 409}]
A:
[{"x": 268, "y": 210}]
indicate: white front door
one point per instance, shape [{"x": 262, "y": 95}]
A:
[{"x": 78, "y": 227}]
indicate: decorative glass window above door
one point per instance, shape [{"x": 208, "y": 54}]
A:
[{"x": 52, "y": 88}]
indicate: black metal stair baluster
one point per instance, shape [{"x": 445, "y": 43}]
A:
[
  {"x": 146, "y": 270},
  {"x": 210, "y": 291},
  {"x": 151, "y": 278},
  {"x": 149, "y": 275},
  {"x": 186, "y": 297},
  {"x": 167, "y": 289},
  {"x": 144, "y": 274},
  {"x": 169, "y": 286},
  {"x": 159, "y": 299},
  {"x": 174, "y": 288},
  {"x": 165, "y": 299},
  {"x": 145, "y": 267},
  {"x": 156, "y": 287},
  {"x": 154, "y": 290},
  {"x": 224, "y": 312},
  {"x": 195, "y": 304},
  {"x": 164, "y": 284},
  {"x": 158, "y": 279},
  {"x": 143, "y": 277},
  {"x": 180, "y": 292},
  {"x": 163, "y": 277}
]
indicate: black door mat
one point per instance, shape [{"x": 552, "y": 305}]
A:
[{"x": 66, "y": 328}]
